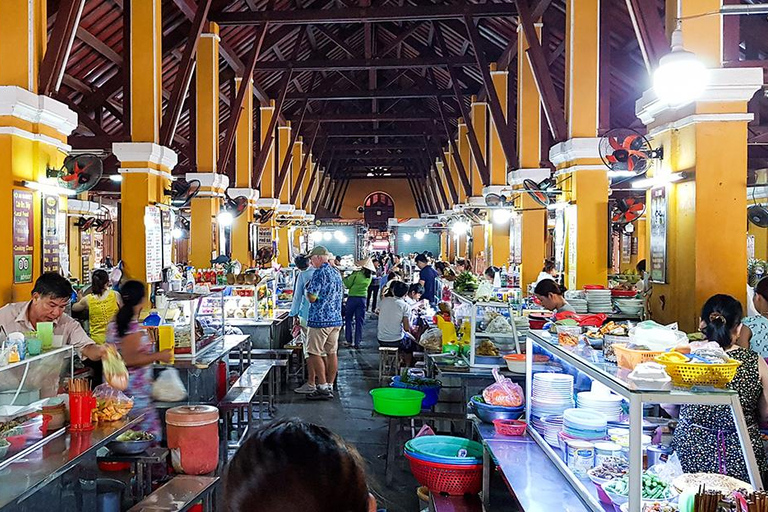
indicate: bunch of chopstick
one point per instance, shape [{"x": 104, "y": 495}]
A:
[
  {"x": 706, "y": 501},
  {"x": 79, "y": 386},
  {"x": 757, "y": 501}
]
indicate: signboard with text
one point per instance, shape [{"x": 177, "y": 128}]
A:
[
  {"x": 23, "y": 236},
  {"x": 153, "y": 233},
  {"x": 165, "y": 216},
  {"x": 658, "y": 255},
  {"x": 51, "y": 250}
]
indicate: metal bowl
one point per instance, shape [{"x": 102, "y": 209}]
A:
[
  {"x": 488, "y": 413},
  {"x": 130, "y": 447}
]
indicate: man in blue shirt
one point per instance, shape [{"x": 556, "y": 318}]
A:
[
  {"x": 300, "y": 313},
  {"x": 427, "y": 278},
  {"x": 325, "y": 293}
]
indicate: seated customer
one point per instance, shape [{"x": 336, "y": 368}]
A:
[
  {"x": 551, "y": 297},
  {"x": 394, "y": 322},
  {"x": 296, "y": 466}
]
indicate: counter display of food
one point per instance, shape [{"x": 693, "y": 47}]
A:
[
  {"x": 582, "y": 362},
  {"x": 197, "y": 321}
]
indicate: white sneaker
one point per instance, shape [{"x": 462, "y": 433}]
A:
[{"x": 305, "y": 389}]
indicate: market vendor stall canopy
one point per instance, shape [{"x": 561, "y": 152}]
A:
[{"x": 375, "y": 89}]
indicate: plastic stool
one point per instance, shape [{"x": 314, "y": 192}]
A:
[{"x": 389, "y": 362}]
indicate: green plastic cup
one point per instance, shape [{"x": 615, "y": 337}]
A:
[{"x": 45, "y": 334}]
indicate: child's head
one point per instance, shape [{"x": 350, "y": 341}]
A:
[
  {"x": 760, "y": 300},
  {"x": 398, "y": 289},
  {"x": 415, "y": 291},
  {"x": 445, "y": 307}
]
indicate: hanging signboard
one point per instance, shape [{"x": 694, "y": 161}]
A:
[
  {"x": 153, "y": 233},
  {"x": 572, "y": 239},
  {"x": 51, "y": 250},
  {"x": 264, "y": 238},
  {"x": 85, "y": 256},
  {"x": 516, "y": 236},
  {"x": 165, "y": 216},
  {"x": 658, "y": 255},
  {"x": 626, "y": 248},
  {"x": 23, "y": 236}
]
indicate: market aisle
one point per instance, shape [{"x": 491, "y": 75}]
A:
[{"x": 349, "y": 415}]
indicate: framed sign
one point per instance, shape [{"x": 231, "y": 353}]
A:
[
  {"x": 659, "y": 215},
  {"x": 85, "y": 255},
  {"x": 153, "y": 233},
  {"x": 23, "y": 236},
  {"x": 572, "y": 243},
  {"x": 265, "y": 237},
  {"x": 165, "y": 217},
  {"x": 51, "y": 250}
]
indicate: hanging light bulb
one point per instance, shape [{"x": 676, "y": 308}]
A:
[
  {"x": 316, "y": 236},
  {"x": 501, "y": 215},
  {"x": 460, "y": 228},
  {"x": 680, "y": 78},
  {"x": 327, "y": 236},
  {"x": 406, "y": 237},
  {"x": 178, "y": 233},
  {"x": 225, "y": 218},
  {"x": 419, "y": 234}
]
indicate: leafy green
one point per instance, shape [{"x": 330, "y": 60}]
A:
[
  {"x": 134, "y": 435},
  {"x": 466, "y": 282}
]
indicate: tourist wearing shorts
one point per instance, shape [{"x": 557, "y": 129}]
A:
[{"x": 325, "y": 293}]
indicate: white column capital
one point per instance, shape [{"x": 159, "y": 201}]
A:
[
  {"x": 28, "y": 106},
  {"x": 517, "y": 176},
  {"x": 269, "y": 203},
  {"x": 251, "y": 194},
  {"x": 211, "y": 184}
]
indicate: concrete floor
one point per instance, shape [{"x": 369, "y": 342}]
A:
[{"x": 349, "y": 415}]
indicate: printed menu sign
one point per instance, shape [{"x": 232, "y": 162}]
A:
[
  {"x": 85, "y": 255},
  {"x": 153, "y": 233},
  {"x": 659, "y": 235},
  {"x": 51, "y": 250},
  {"x": 265, "y": 237},
  {"x": 167, "y": 238},
  {"x": 23, "y": 236}
]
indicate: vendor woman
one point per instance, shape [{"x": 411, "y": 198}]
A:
[
  {"x": 51, "y": 295},
  {"x": 551, "y": 297},
  {"x": 705, "y": 438}
]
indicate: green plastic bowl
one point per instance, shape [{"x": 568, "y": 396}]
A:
[
  {"x": 397, "y": 401},
  {"x": 445, "y": 447}
]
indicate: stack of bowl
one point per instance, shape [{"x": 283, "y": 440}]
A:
[
  {"x": 487, "y": 413},
  {"x": 631, "y": 307}
]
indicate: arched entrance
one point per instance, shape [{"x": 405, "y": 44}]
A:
[{"x": 379, "y": 207}]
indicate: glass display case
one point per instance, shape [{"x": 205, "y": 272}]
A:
[
  {"x": 587, "y": 366},
  {"x": 491, "y": 329},
  {"x": 197, "y": 319},
  {"x": 25, "y": 387},
  {"x": 285, "y": 282}
]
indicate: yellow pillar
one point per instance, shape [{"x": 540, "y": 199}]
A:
[
  {"x": 241, "y": 250},
  {"x": 581, "y": 173},
  {"x": 701, "y": 140},
  {"x": 284, "y": 139},
  {"x": 533, "y": 227},
  {"x": 305, "y": 191},
  {"x": 298, "y": 155},
  {"x": 144, "y": 164},
  {"x": 451, "y": 157},
  {"x": 479, "y": 112},
  {"x": 464, "y": 152},
  {"x": 204, "y": 229},
  {"x": 267, "y": 187},
  {"x": 702, "y": 28},
  {"x": 23, "y": 39},
  {"x": 498, "y": 161}
]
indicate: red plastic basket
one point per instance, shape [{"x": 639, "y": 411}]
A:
[
  {"x": 447, "y": 478},
  {"x": 510, "y": 427}
]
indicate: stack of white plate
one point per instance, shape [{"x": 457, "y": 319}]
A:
[
  {"x": 608, "y": 404},
  {"x": 549, "y": 427},
  {"x": 599, "y": 301},
  {"x": 552, "y": 394},
  {"x": 580, "y": 305},
  {"x": 523, "y": 325},
  {"x": 584, "y": 424},
  {"x": 631, "y": 307}
]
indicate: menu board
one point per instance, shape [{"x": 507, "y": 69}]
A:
[
  {"x": 516, "y": 239},
  {"x": 165, "y": 215},
  {"x": 51, "y": 250},
  {"x": 153, "y": 234},
  {"x": 85, "y": 255},
  {"x": 572, "y": 240},
  {"x": 23, "y": 236},
  {"x": 658, "y": 255},
  {"x": 265, "y": 237}
]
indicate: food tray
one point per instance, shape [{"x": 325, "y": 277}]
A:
[
  {"x": 629, "y": 358},
  {"x": 701, "y": 374}
]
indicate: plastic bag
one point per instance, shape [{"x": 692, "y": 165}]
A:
[
  {"x": 498, "y": 325},
  {"x": 432, "y": 340},
  {"x": 657, "y": 337},
  {"x": 115, "y": 371},
  {"x": 503, "y": 392},
  {"x": 168, "y": 387},
  {"x": 111, "y": 404}
]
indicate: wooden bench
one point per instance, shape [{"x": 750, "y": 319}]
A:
[
  {"x": 466, "y": 503},
  {"x": 179, "y": 495},
  {"x": 240, "y": 398}
]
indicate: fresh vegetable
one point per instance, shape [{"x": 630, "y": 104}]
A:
[
  {"x": 411, "y": 380},
  {"x": 653, "y": 487},
  {"x": 135, "y": 435},
  {"x": 466, "y": 282},
  {"x": 115, "y": 371}
]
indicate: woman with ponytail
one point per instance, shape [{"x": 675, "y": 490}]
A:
[
  {"x": 705, "y": 438},
  {"x": 136, "y": 348}
]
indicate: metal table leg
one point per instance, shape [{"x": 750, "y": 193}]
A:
[
  {"x": 486, "y": 477},
  {"x": 391, "y": 447}
]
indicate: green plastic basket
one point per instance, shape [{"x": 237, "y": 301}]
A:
[
  {"x": 445, "y": 447},
  {"x": 397, "y": 401}
]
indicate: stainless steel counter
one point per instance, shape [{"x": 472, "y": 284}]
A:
[
  {"x": 51, "y": 460},
  {"x": 211, "y": 354}
]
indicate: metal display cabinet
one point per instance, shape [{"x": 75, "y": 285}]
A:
[{"x": 590, "y": 364}]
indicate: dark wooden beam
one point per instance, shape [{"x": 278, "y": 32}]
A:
[
  {"x": 474, "y": 144},
  {"x": 266, "y": 147},
  {"x": 447, "y": 171},
  {"x": 553, "y": 109},
  {"x": 336, "y": 40},
  {"x": 463, "y": 176},
  {"x": 416, "y": 198},
  {"x": 288, "y": 157},
  {"x": 383, "y": 146},
  {"x": 649, "y": 30},
  {"x": 508, "y": 143},
  {"x": 364, "y": 64},
  {"x": 405, "y": 34},
  {"x": 405, "y": 131},
  {"x": 313, "y": 176},
  {"x": 84, "y": 118},
  {"x": 236, "y": 109},
  {"x": 57, "y": 54},
  {"x": 364, "y": 14},
  {"x": 123, "y": 75},
  {"x": 98, "y": 45},
  {"x": 184, "y": 75},
  {"x": 377, "y": 118},
  {"x": 336, "y": 95}
]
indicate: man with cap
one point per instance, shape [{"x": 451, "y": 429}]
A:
[
  {"x": 325, "y": 293},
  {"x": 357, "y": 282}
]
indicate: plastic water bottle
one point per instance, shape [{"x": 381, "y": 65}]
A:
[{"x": 153, "y": 319}]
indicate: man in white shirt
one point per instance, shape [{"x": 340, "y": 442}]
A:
[{"x": 394, "y": 329}]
